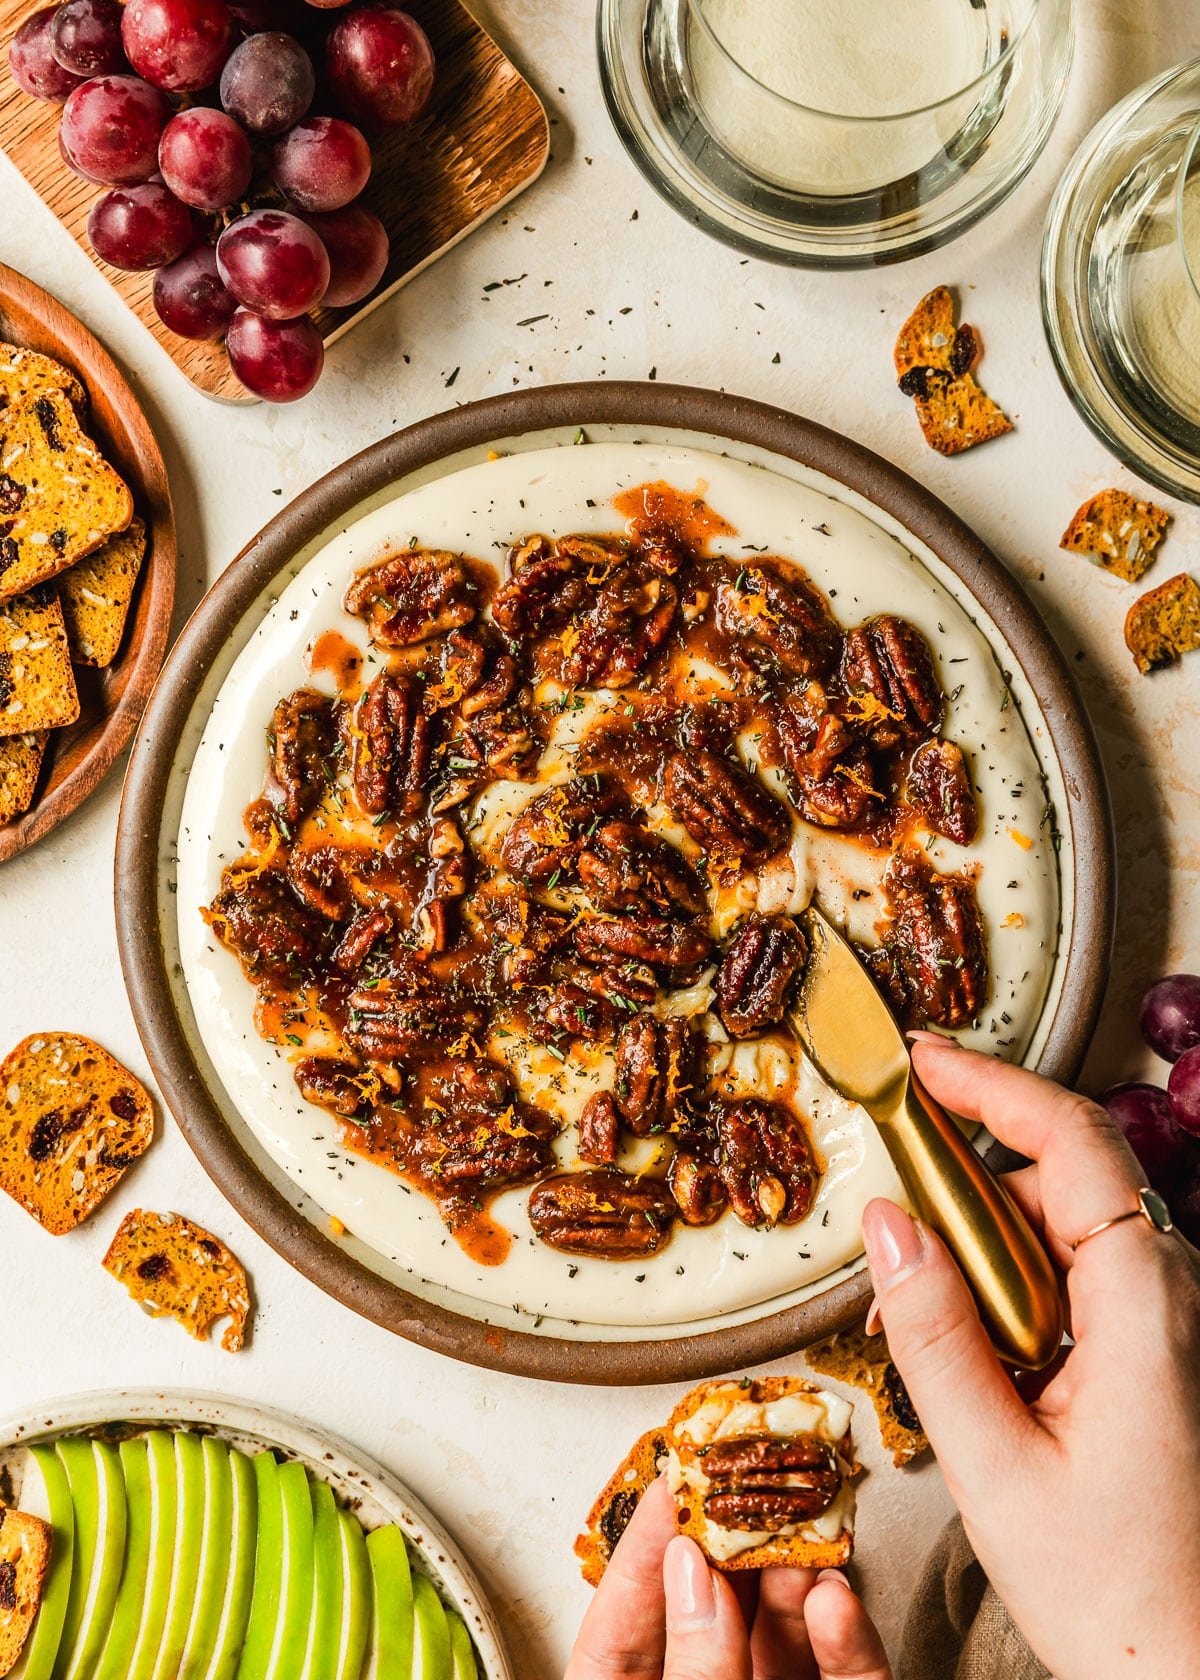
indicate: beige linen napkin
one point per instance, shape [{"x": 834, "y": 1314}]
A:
[{"x": 957, "y": 1629}]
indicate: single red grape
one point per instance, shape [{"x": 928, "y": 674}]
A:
[
  {"x": 357, "y": 243},
  {"x": 139, "y": 227},
  {"x": 110, "y": 129},
  {"x": 269, "y": 83},
  {"x": 190, "y": 296},
  {"x": 1170, "y": 1017},
  {"x": 1143, "y": 1113},
  {"x": 274, "y": 264},
  {"x": 205, "y": 158},
  {"x": 179, "y": 45},
  {"x": 276, "y": 360},
  {"x": 380, "y": 65},
  {"x": 32, "y": 63},
  {"x": 1183, "y": 1088},
  {"x": 86, "y": 38},
  {"x": 321, "y": 164}
]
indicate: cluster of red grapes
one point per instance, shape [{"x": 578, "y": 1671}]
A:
[
  {"x": 1163, "y": 1126},
  {"x": 176, "y": 105}
]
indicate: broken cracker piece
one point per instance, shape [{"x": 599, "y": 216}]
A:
[
  {"x": 1164, "y": 623},
  {"x": 24, "y": 1560},
  {"x": 175, "y": 1268},
  {"x": 864, "y": 1361},
  {"x": 27, "y": 373},
  {"x": 72, "y": 1120},
  {"x": 37, "y": 684},
  {"x": 96, "y": 593},
  {"x": 20, "y": 765},
  {"x": 954, "y": 415},
  {"x": 933, "y": 364},
  {"x": 1118, "y": 532},
  {"x": 929, "y": 339},
  {"x": 618, "y": 1500}
]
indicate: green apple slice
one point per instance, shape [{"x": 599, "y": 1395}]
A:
[
  {"x": 431, "y": 1646},
  {"x": 122, "y": 1632},
  {"x": 296, "y": 1592},
  {"x": 212, "y": 1566},
  {"x": 255, "y": 1659},
  {"x": 325, "y": 1622},
  {"x": 46, "y": 1493},
  {"x": 356, "y": 1598},
  {"x": 79, "y": 1461},
  {"x": 390, "y": 1654},
  {"x": 189, "y": 1537},
  {"x": 108, "y": 1562},
  {"x": 231, "y": 1615},
  {"x": 160, "y": 1567},
  {"x": 462, "y": 1653}
]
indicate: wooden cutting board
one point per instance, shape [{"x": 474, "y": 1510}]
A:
[{"x": 484, "y": 138}]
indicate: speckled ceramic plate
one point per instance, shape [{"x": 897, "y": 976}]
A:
[{"x": 278, "y": 1202}]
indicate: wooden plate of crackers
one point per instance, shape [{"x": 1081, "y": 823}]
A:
[{"x": 87, "y": 562}]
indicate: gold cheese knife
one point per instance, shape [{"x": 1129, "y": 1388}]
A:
[{"x": 848, "y": 1033}]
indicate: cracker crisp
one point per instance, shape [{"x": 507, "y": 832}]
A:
[
  {"x": 1164, "y": 623},
  {"x": 926, "y": 340},
  {"x": 24, "y": 1560},
  {"x": 37, "y": 684},
  {"x": 609, "y": 1516},
  {"x": 864, "y": 1361},
  {"x": 954, "y": 415},
  {"x": 59, "y": 498},
  {"x": 933, "y": 361},
  {"x": 20, "y": 765},
  {"x": 72, "y": 1119},
  {"x": 27, "y": 373},
  {"x": 179, "y": 1270},
  {"x": 1118, "y": 532},
  {"x": 96, "y": 593}
]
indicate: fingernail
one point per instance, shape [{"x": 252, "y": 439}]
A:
[
  {"x": 874, "y": 1322},
  {"x": 691, "y": 1602},
  {"x": 894, "y": 1244},
  {"x": 920, "y": 1036},
  {"x": 833, "y": 1575}
]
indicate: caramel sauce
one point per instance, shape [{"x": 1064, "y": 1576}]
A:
[
  {"x": 659, "y": 509},
  {"x": 338, "y": 657}
]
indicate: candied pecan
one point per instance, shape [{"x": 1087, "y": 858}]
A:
[
  {"x": 757, "y": 972},
  {"x": 318, "y": 875},
  {"x": 657, "y": 1070},
  {"x": 331, "y": 1082},
  {"x": 644, "y": 939},
  {"x": 697, "y": 1187},
  {"x": 938, "y": 787},
  {"x": 626, "y": 867},
  {"x": 387, "y": 1024},
  {"x": 606, "y": 1215},
  {"x": 361, "y": 938},
  {"x": 599, "y": 1127},
  {"x": 412, "y": 595},
  {"x": 723, "y": 808},
  {"x": 766, "y": 1482},
  {"x": 778, "y": 619},
  {"x": 549, "y": 586},
  {"x": 392, "y": 746},
  {"x": 935, "y": 941},
  {"x": 445, "y": 883},
  {"x": 832, "y": 768},
  {"x": 477, "y": 1137},
  {"x": 475, "y": 673},
  {"x": 543, "y": 840},
  {"x": 765, "y": 1161},
  {"x": 887, "y": 660},
  {"x": 259, "y": 919},
  {"x": 627, "y": 623},
  {"x": 592, "y": 1003},
  {"x": 303, "y": 738}
]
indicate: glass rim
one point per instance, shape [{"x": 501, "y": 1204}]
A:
[
  {"x": 696, "y": 8},
  {"x": 1191, "y": 156}
]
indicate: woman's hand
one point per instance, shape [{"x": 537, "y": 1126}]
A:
[
  {"x": 661, "y": 1613},
  {"x": 1079, "y": 1492}
]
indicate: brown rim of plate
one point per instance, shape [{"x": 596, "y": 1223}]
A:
[
  {"x": 477, "y": 425},
  {"x": 113, "y": 698}
]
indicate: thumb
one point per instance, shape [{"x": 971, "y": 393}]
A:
[
  {"x": 969, "y": 1408},
  {"x": 706, "y": 1632}
]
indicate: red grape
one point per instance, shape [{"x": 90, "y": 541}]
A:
[
  {"x": 357, "y": 243},
  {"x": 110, "y": 128},
  {"x": 276, "y": 360},
  {"x": 1171, "y": 1015},
  {"x": 87, "y": 37},
  {"x": 1183, "y": 1088},
  {"x": 179, "y": 45},
  {"x": 274, "y": 264},
  {"x": 139, "y": 227},
  {"x": 380, "y": 65},
  {"x": 205, "y": 158},
  {"x": 321, "y": 164},
  {"x": 269, "y": 83},
  {"x": 190, "y": 296},
  {"x": 1144, "y": 1115},
  {"x": 32, "y": 63}
]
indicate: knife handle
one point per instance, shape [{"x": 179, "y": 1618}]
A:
[{"x": 955, "y": 1192}]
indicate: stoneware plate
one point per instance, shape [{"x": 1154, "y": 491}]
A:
[
  {"x": 111, "y": 700},
  {"x": 363, "y": 1486},
  {"x": 854, "y": 485}
]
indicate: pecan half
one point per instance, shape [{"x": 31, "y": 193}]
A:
[
  {"x": 599, "y": 1129},
  {"x": 778, "y": 618},
  {"x": 938, "y": 787},
  {"x": 697, "y": 1187},
  {"x": 606, "y": 1215},
  {"x": 361, "y": 938},
  {"x": 887, "y": 660},
  {"x": 392, "y": 747},
  {"x": 333, "y": 1083},
  {"x": 386, "y": 1024},
  {"x": 642, "y": 939},
  {"x": 592, "y": 1003},
  {"x": 317, "y": 875},
  {"x": 412, "y": 595},
  {"x": 445, "y": 883},
  {"x": 935, "y": 941},
  {"x": 544, "y": 840},
  {"x": 757, "y": 972},
  {"x": 477, "y": 1137},
  {"x": 765, "y": 1161},
  {"x": 724, "y": 809},
  {"x": 259, "y": 919},
  {"x": 626, "y": 867},
  {"x": 657, "y": 1070},
  {"x": 474, "y": 673},
  {"x": 626, "y": 624},
  {"x": 831, "y": 765},
  {"x": 767, "y": 1482},
  {"x": 545, "y": 585},
  {"x": 303, "y": 737}
]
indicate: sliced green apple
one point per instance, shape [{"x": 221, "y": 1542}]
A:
[
  {"x": 390, "y": 1653},
  {"x": 232, "y": 1615},
  {"x": 356, "y": 1598},
  {"x": 462, "y": 1653},
  {"x": 212, "y": 1566},
  {"x": 46, "y": 1493},
  {"x": 296, "y": 1589},
  {"x": 121, "y": 1635},
  {"x": 189, "y": 1539},
  {"x": 259, "y": 1641},
  {"x": 431, "y": 1645},
  {"x": 108, "y": 1562},
  {"x": 160, "y": 1568},
  {"x": 79, "y": 1461}
]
